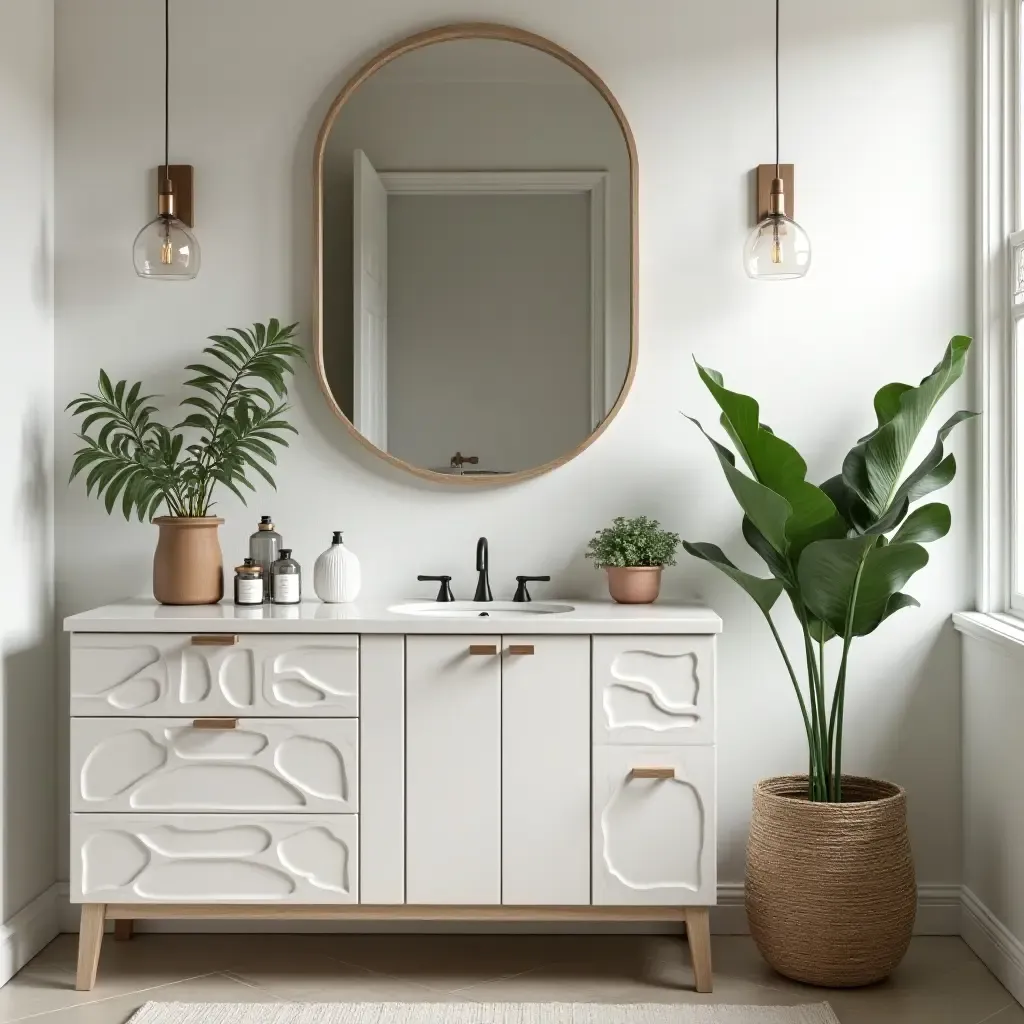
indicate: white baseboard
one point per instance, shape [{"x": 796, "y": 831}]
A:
[
  {"x": 996, "y": 946},
  {"x": 32, "y": 928},
  {"x": 938, "y": 913}
]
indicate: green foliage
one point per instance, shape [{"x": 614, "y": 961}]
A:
[
  {"x": 234, "y": 419},
  {"x": 633, "y": 543},
  {"x": 841, "y": 552}
]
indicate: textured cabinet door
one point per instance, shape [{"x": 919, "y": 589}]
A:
[
  {"x": 153, "y": 858},
  {"x": 168, "y": 765},
  {"x": 545, "y": 776},
  {"x": 453, "y": 770},
  {"x": 654, "y": 838},
  {"x": 131, "y": 674},
  {"x": 654, "y": 689}
]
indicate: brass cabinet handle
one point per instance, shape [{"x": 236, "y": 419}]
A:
[
  {"x": 652, "y": 773},
  {"x": 483, "y": 649},
  {"x": 214, "y": 723},
  {"x": 520, "y": 648},
  {"x": 215, "y": 640}
]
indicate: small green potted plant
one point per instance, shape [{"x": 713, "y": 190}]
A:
[
  {"x": 230, "y": 422},
  {"x": 633, "y": 552}
]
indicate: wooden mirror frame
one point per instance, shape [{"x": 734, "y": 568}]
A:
[{"x": 448, "y": 33}]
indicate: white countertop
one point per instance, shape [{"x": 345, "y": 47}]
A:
[{"x": 147, "y": 616}]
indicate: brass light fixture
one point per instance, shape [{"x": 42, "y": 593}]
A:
[
  {"x": 778, "y": 249},
  {"x": 166, "y": 249}
]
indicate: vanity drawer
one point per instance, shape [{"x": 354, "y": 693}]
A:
[
  {"x": 653, "y": 826},
  {"x": 155, "y": 858},
  {"x": 654, "y": 689},
  {"x": 292, "y": 675},
  {"x": 171, "y": 765}
]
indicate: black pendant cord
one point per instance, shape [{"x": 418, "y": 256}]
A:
[
  {"x": 167, "y": 90},
  {"x": 778, "y": 173}
]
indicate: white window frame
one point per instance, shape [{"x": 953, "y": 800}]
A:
[{"x": 998, "y": 590}]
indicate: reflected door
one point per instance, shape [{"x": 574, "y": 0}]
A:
[{"x": 370, "y": 301}]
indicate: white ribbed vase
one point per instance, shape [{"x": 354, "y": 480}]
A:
[{"x": 337, "y": 575}]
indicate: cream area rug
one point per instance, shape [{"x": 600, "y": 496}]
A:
[{"x": 478, "y": 1013}]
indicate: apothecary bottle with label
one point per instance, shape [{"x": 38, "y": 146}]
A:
[
  {"x": 286, "y": 579},
  {"x": 248, "y": 583}
]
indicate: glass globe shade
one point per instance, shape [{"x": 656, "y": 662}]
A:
[
  {"x": 166, "y": 250},
  {"x": 778, "y": 249}
]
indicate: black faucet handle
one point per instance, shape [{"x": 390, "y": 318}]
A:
[
  {"x": 522, "y": 594},
  {"x": 444, "y": 592}
]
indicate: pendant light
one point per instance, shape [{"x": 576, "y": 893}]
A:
[
  {"x": 778, "y": 249},
  {"x": 166, "y": 249}
]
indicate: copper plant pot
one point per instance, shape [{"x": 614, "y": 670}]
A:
[
  {"x": 187, "y": 565},
  {"x": 830, "y": 890},
  {"x": 639, "y": 584}
]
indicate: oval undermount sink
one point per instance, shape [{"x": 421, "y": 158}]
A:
[{"x": 480, "y": 609}]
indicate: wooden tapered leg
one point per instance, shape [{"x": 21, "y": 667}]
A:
[
  {"x": 123, "y": 930},
  {"x": 698, "y": 935},
  {"x": 90, "y": 939}
]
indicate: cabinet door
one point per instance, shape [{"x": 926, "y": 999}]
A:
[
  {"x": 170, "y": 765},
  {"x": 453, "y": 770},
  {"x": 209, "y": 858},
  {"x": 654, "y": 837},
  {"x": 283, "y": 676},
  {"x": 654, "y": 689},
  {"x": 545, "y": 777}
]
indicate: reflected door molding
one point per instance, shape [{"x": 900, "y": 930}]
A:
[
  {"x": 592, "y": 184},
  {"x": 603, "y": 391}
]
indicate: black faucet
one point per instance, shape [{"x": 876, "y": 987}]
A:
[{"x": 483, "y": 584}]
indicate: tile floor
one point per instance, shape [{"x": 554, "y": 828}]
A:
[{"x": 940, "y": 982}]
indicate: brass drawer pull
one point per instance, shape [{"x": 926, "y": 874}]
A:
[
  {"x": 215, "y": 640},
  {"x": 652, "y": 773},
  {"x": 483, "y": 649},
  {"x": 214, "y": 723},
  {"x": 520, "y": 648}
]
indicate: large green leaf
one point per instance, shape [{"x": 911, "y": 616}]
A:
[
  {"x": 767, "y": 510},
  {"x": 828, "y": 574},
  {"x": 764, "y": 592},
  {"x": 927, "y": 523},
  {"x": 776, "y": 464},
  {"x": 873, "y": 469}
]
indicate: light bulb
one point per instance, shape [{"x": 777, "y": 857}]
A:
[
  {"x": 166, "y": 250},
  {"x": 778, "y": 249}
]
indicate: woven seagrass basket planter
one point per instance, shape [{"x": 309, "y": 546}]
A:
[{"x": 830, "y": 889}]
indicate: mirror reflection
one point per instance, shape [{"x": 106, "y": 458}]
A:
[{"x": 476, "y": 258}]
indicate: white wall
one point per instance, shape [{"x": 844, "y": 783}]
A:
[
  {"x": 876, "y": 112},
  {"x": 993, "y": 838},
  {"x": 27, "y": 669},
  {"x": 488, "y": 328}
]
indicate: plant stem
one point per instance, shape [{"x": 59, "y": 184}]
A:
[
  {"x": 835, "y": 728},
  {"x": 799, "y": 696},
  {"x": 818, "y": 700}
]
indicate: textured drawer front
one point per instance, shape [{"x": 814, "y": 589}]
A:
[
  {"x": 654, "y": 838},
  {"x": 133, "y": 674},
  {"x": 154, "y": 858},
  {"x": 654, "y": 689},
  {"x": 166, "y": 764}
]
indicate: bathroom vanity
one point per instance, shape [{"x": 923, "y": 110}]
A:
[{"x": 426, "y": 762}]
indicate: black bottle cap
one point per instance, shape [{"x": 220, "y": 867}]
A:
[
  {"x": 286, "y": 552},
  {"x": 248, "y": 561},
  {"x": 337, "y": 537},
  {"x": 265, "y": 519}
]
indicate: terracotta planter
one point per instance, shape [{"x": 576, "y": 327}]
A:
[
  {"x": 830, "y": 890},
  {"x": 187, "y": 566},
  {"x": 635, "y": 584}
]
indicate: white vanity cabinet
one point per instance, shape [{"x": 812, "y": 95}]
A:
[{"x": 356, "y": 762}]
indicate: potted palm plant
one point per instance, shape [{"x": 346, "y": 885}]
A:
[
  {"x": 633, "y": 553},
  {"x": 830, "y": 890},
  {"x": 234, "y": 415}
]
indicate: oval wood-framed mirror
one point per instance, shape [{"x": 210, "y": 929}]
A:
[{"x": 475, "y": 231}]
